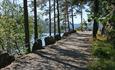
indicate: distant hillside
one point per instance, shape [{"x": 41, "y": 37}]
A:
[
  {"x": 75, "y": 26},
  {"x": 90, "y": 26}
]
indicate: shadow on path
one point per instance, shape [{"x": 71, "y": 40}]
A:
[{"x": 71, "y": 53}]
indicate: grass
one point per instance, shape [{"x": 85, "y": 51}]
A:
[
  {"x": 102, "y": 64},
  {"x": 103, "y": 53},
  {"x": 101, "y": 37}
]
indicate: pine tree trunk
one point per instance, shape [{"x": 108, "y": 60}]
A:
[
  {"x": 95, "y": 25},
  {"x": 65, "y": 22},
  {"x": 72, "y": 18},
  {"x": 81, "y": 17},
  {"x": 68, "y": 17},
  {"x": 13, "y": 10},
  {"x": 54, "y": 19},
  {"x": 49, "y": 17},
  {"x": 35, "y": 22},
  {"x": 95, "y": 28},
  {"x": 59, "y": 32},
  {"x": 26, "y": 26}
]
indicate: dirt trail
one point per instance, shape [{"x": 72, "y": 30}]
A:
[{"x": 71, "y": 53}]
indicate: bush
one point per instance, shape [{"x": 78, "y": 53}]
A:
[
  {"x": 102, "y": 65},
  {"x": 104, "y": 56},
  {"x": 112, "y": 36},
  {"x": 102, "y": 50}
]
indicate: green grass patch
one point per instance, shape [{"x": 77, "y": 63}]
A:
[
  {"x": 101, "y": 64},
  {"x": 103, "y": 54}
]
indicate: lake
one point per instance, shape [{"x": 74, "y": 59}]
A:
[{"x": 43, "y": 36}]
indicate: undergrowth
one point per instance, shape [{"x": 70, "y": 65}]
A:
[{"x": 103, "y": 53}]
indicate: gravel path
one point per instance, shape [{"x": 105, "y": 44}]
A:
[{"x": 71, "y": 53}]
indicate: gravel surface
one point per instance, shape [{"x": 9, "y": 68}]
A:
[{"x": 71, "y": 53}]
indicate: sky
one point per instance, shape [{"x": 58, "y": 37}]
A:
[{"x": 76, "y": 20}]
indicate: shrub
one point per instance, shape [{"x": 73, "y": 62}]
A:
[
  {"x": 102, "y": 65},
  {"x": 104, "y": 56},
  {"x": 102, "y": 50}
]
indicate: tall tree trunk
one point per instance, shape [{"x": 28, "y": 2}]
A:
[
  {"x": 103, "y": 30},
  {"x": 13, "y": 10},
  {"x": 67, "y": 16},
  {"x": 54, "y": 19},
  {"x": 35, "y": 22},
  {"x": 81, "y": 16},
  {"x": 95, "y": 28},
  {"x": 65, "y": 21},
  {"x": 49, "y": 17},
  {"x": 95, "y": 25},
  {"x": 68, "y": 22},
  {"x": 26, "y": 26},
  {"x": 58, "y": 14},
  {"x": 72, "y": 18}
]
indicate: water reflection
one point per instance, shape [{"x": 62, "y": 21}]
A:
[{"x": 42, "y": 37}]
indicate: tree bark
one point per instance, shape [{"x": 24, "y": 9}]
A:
[
  {"x": 54, "y": 19},
  {"x": 35, "y": 22},
  {"x": 58, "y": 14},
  {"x": 26, "y": 27},
  {"x": 95, "y": 28},
  {"x": 72, "y": 18},
  {"x": 49, "y": 17},
  {"x": 95, "y": 25},
  {"x": 81, "y": 17},
  {"x": 67, "y": 17}
]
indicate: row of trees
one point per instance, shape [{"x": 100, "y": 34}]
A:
[
  {"x": 101, "y": 11},
  {"x": 62, "y": 11},
  {"x": 17, "y": 24},
  {"x": 12, "y": 34},
  {"x": 65, "y": 7},
  {"x": 11, "y": 27},
  {"x": 103, "y": 48}
]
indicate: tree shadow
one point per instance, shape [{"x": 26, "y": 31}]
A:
[
  {"x": 68, "y": 56},
  {"x": 70, "y": 53},
  {"x": 76, "y": 42},
  {"x": 44, "y": 55}
]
